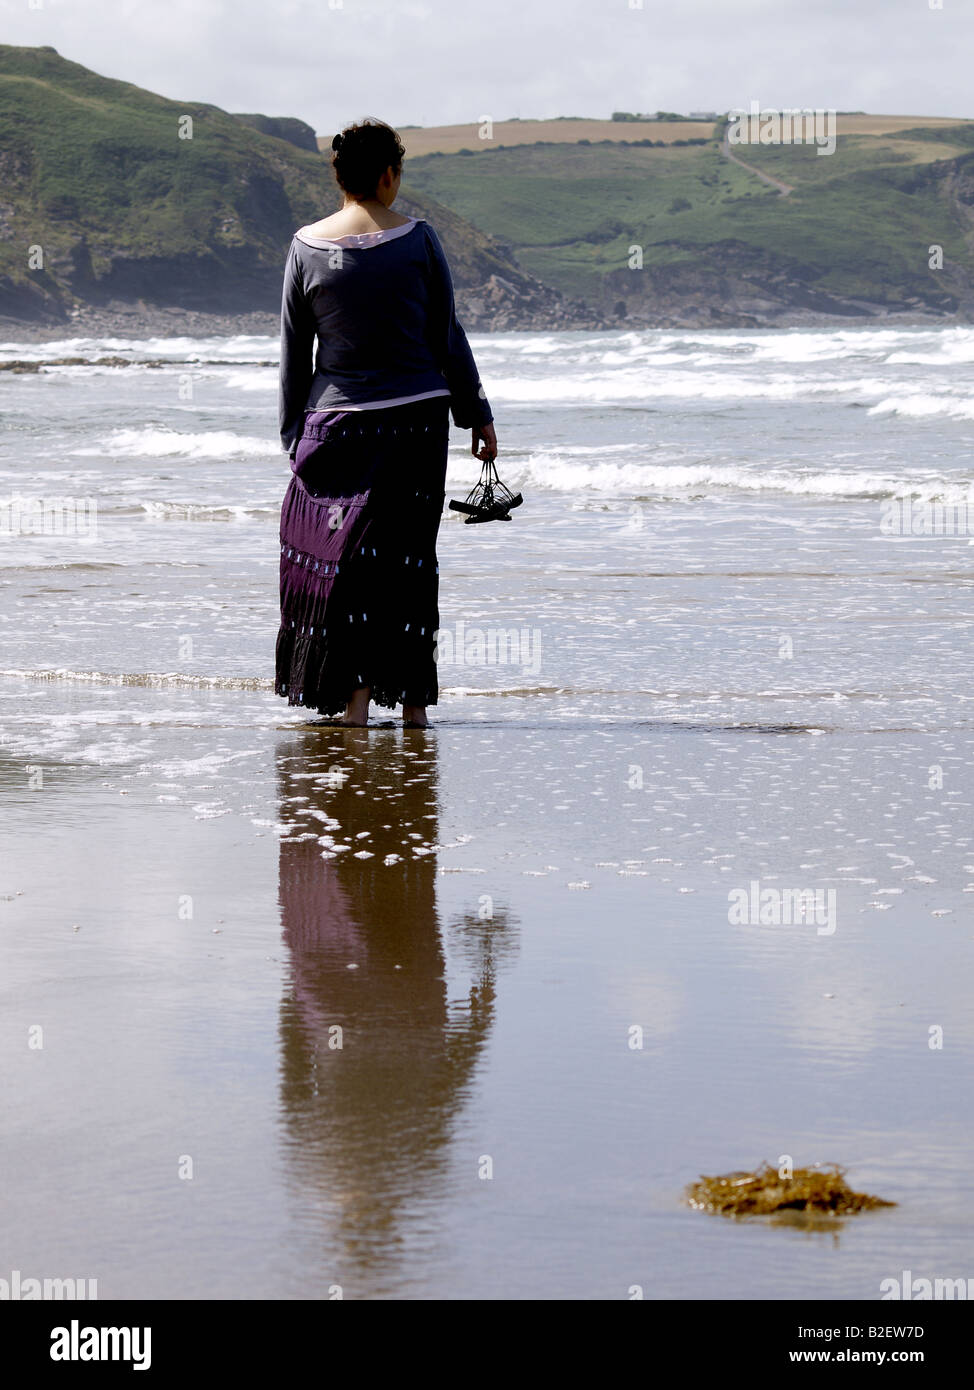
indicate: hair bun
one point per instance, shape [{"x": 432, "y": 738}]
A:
[{"x": 361, "y": 155}]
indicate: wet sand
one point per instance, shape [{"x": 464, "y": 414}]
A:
[{"x": 486, "y": 912}]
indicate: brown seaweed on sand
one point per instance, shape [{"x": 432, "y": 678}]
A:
[{"x": 822, "y": 1189}]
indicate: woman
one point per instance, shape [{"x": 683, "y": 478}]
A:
[{"x": 367, "y": 431}]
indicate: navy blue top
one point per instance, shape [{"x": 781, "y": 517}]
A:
[{"x": 385, "y": 323}]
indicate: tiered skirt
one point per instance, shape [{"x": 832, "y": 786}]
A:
[{"x": 359, "y": 574}]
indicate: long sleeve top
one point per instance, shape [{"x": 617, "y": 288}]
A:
[{"x": 379, "y": 311}]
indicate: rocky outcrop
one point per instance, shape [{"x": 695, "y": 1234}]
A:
[
  {"x": 500, "y": 304},
  {"x": 287, "y": 128},
  {"x": 745, "y": 288}
]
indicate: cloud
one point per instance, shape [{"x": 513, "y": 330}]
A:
[{"x": 452, "y": 61}]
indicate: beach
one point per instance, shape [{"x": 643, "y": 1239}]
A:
[{"x": 458, "y": 1014}]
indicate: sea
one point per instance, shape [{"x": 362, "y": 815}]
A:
[{"x": 721, "y": 654}]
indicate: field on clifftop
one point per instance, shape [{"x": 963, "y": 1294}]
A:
[{"x": 851, "y": 234}]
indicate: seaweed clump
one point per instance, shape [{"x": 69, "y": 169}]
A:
[{"x": 822, "y": 1189}]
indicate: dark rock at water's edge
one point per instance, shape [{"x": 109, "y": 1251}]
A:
[
  {"x": 748, "y": 290},
  {"x": 141, "y": 321},
  {"x": 137, "y": 321}
]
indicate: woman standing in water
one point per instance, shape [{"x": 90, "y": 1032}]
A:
[{"x": 367, "y": 431}]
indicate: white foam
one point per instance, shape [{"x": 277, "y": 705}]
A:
[
  {"x": 201, "y": 511},
  {"x": 160, "y": 442},
  {"x": 920, "y": 406},
  {"x": 553, "y": 471},
  {"x": 149, "y": 679},
  {"x": 251, "y": 379},
  {"x": 628, "y": 384},
  {"x": 241, "y": 346}
]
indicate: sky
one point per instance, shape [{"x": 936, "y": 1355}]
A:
[{"x": 442, "y": 62}]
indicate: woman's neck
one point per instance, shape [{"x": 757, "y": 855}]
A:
[
  {"x": 367, "y": 204},
  {"x": 367, "y": 215}
]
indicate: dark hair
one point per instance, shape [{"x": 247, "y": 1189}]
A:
[{"x": 363, "y": 153}]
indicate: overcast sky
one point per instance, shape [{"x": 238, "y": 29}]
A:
[{"x": 438, "y": 62}]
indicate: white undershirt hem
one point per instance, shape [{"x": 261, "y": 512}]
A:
[
  {"x": 358, "y": 241},
  {"x": 396, "y": 400}
]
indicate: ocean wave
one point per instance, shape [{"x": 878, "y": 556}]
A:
[
  {"x": 154, "y": 680},
  {"x": 203, "y": 511},
  {"x": 906, "y": 346},
  {"x": 944, "y": 354},
  {"x": 467, "y": 691},
  {"x": 74, "y": 476},
  {"x": 631, "y": 385},
  {"x": 758, "y": 346},
  {"x": 61, "y": 567},
  {"x": 155, "y": 441},
  {"x": 829, "y": 345},
  {"x": 256, "y": 378},
  {"x": 180, "y": 349},
  {"x": 553, "y": 472},
  {"x": 919, "y": 406}
]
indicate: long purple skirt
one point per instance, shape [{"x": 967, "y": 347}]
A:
[{"x": 359, "y": 577}]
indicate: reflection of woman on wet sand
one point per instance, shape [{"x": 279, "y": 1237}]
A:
[{"x": 368, "y": 1121}]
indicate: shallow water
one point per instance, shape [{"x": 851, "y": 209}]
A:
[{"x": 730, "y": 675}]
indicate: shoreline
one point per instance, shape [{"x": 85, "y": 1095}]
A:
[{"x": 140, "y": 322}]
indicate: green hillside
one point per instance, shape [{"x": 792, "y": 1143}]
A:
[
  {"x": 94, "y": 173},
  {"x": 852, "y": 235}
]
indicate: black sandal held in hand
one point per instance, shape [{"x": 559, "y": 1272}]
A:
[{"x": 489, "y": 500}]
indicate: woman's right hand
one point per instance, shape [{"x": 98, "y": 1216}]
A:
[{"x": 484, "y": 435}]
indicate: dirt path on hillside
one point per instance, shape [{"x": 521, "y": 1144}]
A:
[{"x": 783, "y": 188}]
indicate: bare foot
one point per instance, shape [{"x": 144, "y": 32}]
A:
[
  {"x": 357, "y": 709},
  {"x": 414, "y": 717}
]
